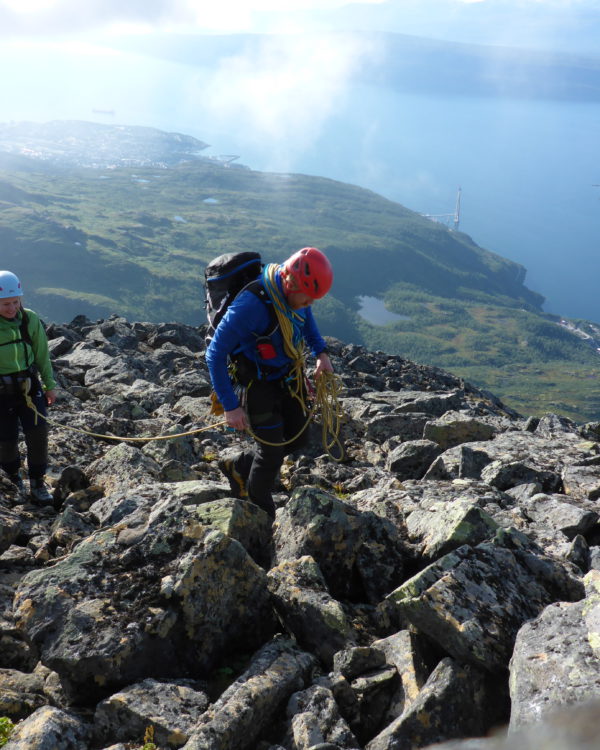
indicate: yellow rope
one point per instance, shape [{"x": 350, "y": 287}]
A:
[
  {"x": 81, "y": 431},
  {"x": 296, "y": 352},
  {"x": 326, "y": 402}
]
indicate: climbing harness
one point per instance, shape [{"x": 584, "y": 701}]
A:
[{"x": 326, "y": 404}]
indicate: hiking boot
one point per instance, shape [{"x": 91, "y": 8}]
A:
[
  {"x": 17, "y": 480},
  {"x": 236, "y": 480},
  {"x": 39, "y": 493}
]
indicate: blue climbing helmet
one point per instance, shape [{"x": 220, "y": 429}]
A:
[{"x": 10, "y": 286}]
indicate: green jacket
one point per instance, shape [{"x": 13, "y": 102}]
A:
[{"x": 16, "y": 355}]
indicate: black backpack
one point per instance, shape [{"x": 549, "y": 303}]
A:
[{"x": 224, "y": 278}]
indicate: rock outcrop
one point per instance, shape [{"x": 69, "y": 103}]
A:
[{"x": 438, "y": 587}]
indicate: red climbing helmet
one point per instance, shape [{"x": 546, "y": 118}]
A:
[{"x": 311, "y": 271}]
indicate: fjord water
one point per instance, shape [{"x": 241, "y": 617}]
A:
[
  {"x": 527, "y": 170},
  {"x": 528, "y": 167}
]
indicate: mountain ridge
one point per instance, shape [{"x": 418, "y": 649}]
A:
[{"x": 135, "y": 240}]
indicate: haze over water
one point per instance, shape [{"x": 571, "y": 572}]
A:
[{"x": 527, "y": 166}]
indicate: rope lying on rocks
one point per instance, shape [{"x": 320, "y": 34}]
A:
[{"x": 326, "y": 401}]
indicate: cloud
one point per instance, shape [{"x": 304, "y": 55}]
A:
[
  {"x": 284, "y": 93},
  {"x": 71, "y": 16}
]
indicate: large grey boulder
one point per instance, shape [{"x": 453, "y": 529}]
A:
[
  {"x": 454, "y": 428},
  {"x": 147, "y": 600},
  {"x": 20, "y": 693},
  {"x": 306, "y": 609},
  {"x": 248, "y": 706},
  {"x": 582, "y": 481},
  {"x": 404, "y": 651},
  {"x": 440, "y": 527},
  {"x": 240, "y": 520},
  {"x": 473, "y": 600},
  {"x": 172, "y": 709},
  {"x": 410, "y": 460},
  {"x": 404, "y": 426},
  {"x": 546, "y": 670},
  {"x": 456, "y": 701},
  {"x": 49, "y": 728},
  {"x": 123, "y": 466},
  {"x": 359, "y": 554},
  {"x": 315, "y": 719}
]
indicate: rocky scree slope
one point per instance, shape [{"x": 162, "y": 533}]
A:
[{"x": 441, "y": 582}]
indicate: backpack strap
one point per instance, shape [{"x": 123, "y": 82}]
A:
[
  {"x": 246, "y": 368},
  {"x": 25, "y": 339},
  {"x": 258, "y": 290}
]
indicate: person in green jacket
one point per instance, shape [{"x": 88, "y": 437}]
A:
[{"x": 24, "y": 362}]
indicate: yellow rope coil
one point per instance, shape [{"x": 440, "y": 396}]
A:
[{"x": 326, "y": 403}]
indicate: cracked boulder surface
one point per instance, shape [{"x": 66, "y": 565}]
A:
[{"x": 436, "y": 588}]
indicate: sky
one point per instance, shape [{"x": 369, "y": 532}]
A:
[{"x": 537, "y": 23}]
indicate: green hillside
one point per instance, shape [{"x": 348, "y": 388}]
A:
[{"x": 135, "y": 242}]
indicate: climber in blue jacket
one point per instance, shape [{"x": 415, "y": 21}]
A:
[{"x": 263, "y": 336}]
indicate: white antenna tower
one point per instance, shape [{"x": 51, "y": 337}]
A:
[
  {"x": 457, "y": 211},
  {"x": 448, "y": 219}
]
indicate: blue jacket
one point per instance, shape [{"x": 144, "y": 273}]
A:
[{"x": 246, "y": 318}]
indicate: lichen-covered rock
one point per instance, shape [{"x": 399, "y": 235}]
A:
[
  {"x": 582, "y": 481},
  {"x": 243, "y": 521},
  {"x": 315, "y": 719},
  {"x": 49, "y": 728},
  {"x": 455, "y": 702},
  {"x": 561, "y": 513},
  {"x": 474, "y": 600},
  {"x": 404, "y": 650},
  {"x": 144, "y": 601},
  {"x": 546, "y": 672},
  {"x": 20, "y": 693},
  {"x": 405, "y": 426},
  {"x": 172, "y": 709},
  {"x": 246, "y": 708},
  {"x": 306, "y": 609},
  {"x": 443, "y": 526},
  {"x": 411, "y": 459},
  {"x": 123, "y": 465},
  {"x": 454, "y": 428},
  {"x": 359, "y": 554}
]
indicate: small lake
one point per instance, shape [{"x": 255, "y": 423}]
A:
[{"x": 374, "y": 311}]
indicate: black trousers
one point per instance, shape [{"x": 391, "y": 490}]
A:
[
  {"x": 275, "y": 416},
  {"x": 14, "y": 411}
]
